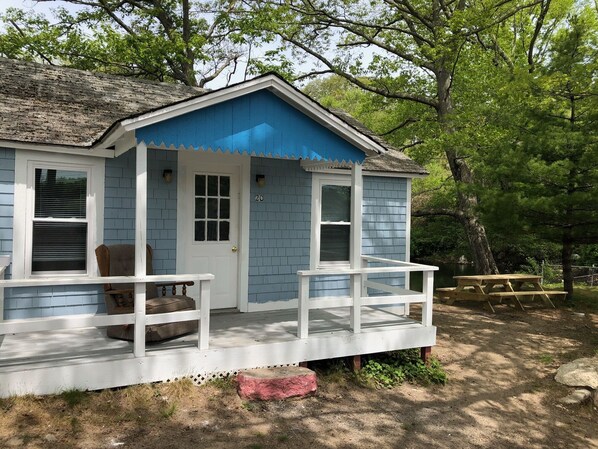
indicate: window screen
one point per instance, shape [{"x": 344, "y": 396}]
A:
[{"x": 60, "y": 221}]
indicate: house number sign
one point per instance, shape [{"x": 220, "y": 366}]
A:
[{"x": 259, "y": 198}]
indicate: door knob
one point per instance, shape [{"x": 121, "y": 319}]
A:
[{"x": 235, "y": 249}]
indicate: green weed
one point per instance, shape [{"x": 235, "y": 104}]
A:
[
  {"x": 390, "y": 369},
  {"x": 168, "y": 411},
  {"x": 546, "y": 359},
  {"x": 73, "y": 397}
]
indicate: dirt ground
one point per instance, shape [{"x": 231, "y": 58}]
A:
[{"x": 500, "y": 394}]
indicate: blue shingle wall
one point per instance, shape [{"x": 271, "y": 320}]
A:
[
  {"x": 384, "y": 223},
  {"x": 7, "y": 191},
  {"x": 279, "y": 229},
  {"x": 119, "y": 212},
  {"x": 119, "y": 227}
]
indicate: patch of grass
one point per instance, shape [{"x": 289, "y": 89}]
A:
[
  {"x": 249, "y": 406},
  {"x": 168, "y": 411},
  {"x": 282, "y": 438},
  {"x": 76, "y": 426},
  {"x": 585, "y": 299},
  {"x": 546, "y": 359},
  {"x": 255, "y": 446},
  {"x": 73, "y": 397},
  {"x": 7, "y": 403},
  {"x": 390, "y": 369},
  {"x": 227, "y": 383}
]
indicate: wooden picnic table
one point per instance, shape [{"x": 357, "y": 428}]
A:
[{"x": 487, "y": 287}]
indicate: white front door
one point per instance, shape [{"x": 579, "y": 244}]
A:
[{"x": 209, "y": 208}]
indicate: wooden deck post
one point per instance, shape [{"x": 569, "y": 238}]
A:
[
  {"x": 355, "y": 244},
  {"x": 428, "y": 290},
  {"x": 303, "y": 318},
  {"x": 356, "y": 363},
  {"x": 425, "y": 353},
  {"x": 203, "y": 333},
  {"x": 140, "y": 248}
]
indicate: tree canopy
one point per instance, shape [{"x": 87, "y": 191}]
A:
[{"x": 186, "y": 41}]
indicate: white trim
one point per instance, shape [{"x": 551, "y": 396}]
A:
[
  {"x": 244, "y": 206},
  {"x": 278, "y": 87},
  {"x": 25, "y": 162},
  {"x": 408, "y": 230},
  {"x": 124, "y": 143},
  {"x": 322, "y": 168},
  {"x": 63, "y": 149},
  {"x": 318, "y": 180}
]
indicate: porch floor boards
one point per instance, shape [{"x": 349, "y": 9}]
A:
[{"x": 227, "y": 330}]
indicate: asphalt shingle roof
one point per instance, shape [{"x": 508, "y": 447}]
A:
[{"x": 43, "y": 104}]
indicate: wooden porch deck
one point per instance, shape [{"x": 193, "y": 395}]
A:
[{"x": 45, "y": 362}]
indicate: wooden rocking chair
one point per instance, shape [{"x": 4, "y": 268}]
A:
[{"x": 119, "y": 260}]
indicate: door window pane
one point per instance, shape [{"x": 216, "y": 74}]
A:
[
  {"x": 224, "y": 208},
  {"x": 200, "y": 208},
  {"x": 200, "y": 185},
  {"x": 224, "y": 231},
  {"x": 224, "y": 186},
  {"x": 212, "y": 207},
  {"x": 212, "y": 231},
  {"x": 200, "y": 231},
  {"x": 212, "y": 185}
]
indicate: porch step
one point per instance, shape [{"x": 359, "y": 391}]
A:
[{"x": 275, "y": 384}]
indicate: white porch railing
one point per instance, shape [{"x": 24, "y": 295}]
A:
[
  {"x": 138, "y": 318},
  {"x": 359, "y": 291}
]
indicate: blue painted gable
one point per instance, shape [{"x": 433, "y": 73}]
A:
[{"x": 260, "y": 124}]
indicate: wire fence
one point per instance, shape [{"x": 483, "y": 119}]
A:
[{"x": 582, "y": 275}]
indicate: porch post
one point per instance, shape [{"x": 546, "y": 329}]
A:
[
  {"x": 355, "y": 244},
  {"x": 140, "y": 248}
]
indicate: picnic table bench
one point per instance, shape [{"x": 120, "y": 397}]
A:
[{"x": 497, "y": 287}]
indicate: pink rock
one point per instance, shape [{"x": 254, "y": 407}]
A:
[{"x": 267, "y": 384}]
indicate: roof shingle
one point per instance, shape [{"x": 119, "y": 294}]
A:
[{"x": 43, "y": 104}]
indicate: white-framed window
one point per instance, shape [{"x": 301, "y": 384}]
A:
[
  {"x": 58, "y": 221},
  {"x": 331, "y": 221}
]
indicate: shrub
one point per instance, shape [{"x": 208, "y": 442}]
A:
[{"x": 389, "y": 369}]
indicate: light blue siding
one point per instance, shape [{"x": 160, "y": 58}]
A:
[
  {"x": 259, "y": 124},
  {"x": 119, "y": 214},
  {"x": 7, "y": 189},
  {"x": 279, "y": 229},
  {"x": 385, "y": 223}
]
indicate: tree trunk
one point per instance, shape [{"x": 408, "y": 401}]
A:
[
  {"x": 467, "y": 203},
  {"x": 567, "y": 262}
]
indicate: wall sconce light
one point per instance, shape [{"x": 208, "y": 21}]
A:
[
  {"x": 260, "y": 180},
  {"x": 167, "y": 175}
]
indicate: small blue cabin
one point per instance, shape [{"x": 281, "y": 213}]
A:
[{"x": 291, "y": 220}]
